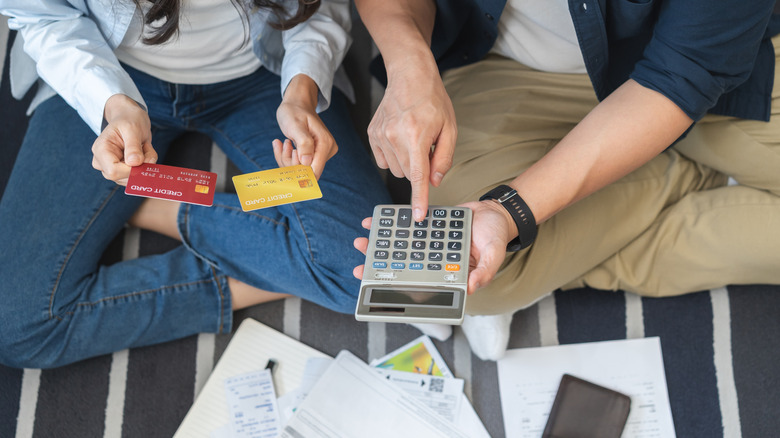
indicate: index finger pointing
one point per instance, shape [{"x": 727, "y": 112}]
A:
[{"x": 418, "y": 177}]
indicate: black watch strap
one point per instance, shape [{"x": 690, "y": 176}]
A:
[{"x": 518, "y": 209}]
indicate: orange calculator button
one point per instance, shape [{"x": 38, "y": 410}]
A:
[{"x": 452, "y": 267}]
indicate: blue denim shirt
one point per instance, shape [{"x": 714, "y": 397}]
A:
[{"x": 704, "y": 55}]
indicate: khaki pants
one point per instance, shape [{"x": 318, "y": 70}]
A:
[{"x": 671, "y": 227}]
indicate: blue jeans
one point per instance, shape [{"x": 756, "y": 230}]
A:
[{"x": 58, "y": 215}]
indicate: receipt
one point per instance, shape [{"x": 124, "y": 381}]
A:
[{"x": 251, "y": 401}]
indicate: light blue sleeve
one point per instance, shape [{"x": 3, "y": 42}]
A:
[
  {"x": 71, "y": 53},
  {"x": 317, "y": 47}
]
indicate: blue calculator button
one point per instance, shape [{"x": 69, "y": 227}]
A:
[
  {"x": 397, "y": 265},
  {"x": 415, "y": 266},
  {"x": 380, "y": 265}
]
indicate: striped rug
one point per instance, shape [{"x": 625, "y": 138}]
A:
[{"x": 720, "y": 353}]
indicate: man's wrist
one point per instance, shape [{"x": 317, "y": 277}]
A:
[
  {"x": 511, "y": 228},
  {"x": 417, "y": 59},
  {"x": 518, "y": 210}
]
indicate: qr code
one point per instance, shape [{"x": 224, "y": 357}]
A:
[{"x": 437, "y": 385}]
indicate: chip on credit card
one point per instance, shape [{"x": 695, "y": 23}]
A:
[
  {"x": 173, "y": 183},
  {"x": 269, "y": 188}
]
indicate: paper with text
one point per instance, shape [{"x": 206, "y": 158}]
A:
[
  {"x": 374, "y": 403},
  {"x": 251, "y": 401},
  {"x": 529, "y": 377}
]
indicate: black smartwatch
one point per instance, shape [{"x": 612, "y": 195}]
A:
[{"x": 521, "y": 214}]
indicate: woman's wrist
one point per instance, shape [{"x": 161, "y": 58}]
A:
[
  {"x": 302, "y": 91},
  {"x": 117, "y": 105}
]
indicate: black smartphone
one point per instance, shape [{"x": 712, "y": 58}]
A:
[{"x": 584, "y": 409}]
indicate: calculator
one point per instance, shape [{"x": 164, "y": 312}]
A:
[{"x": 416, "y": 271}]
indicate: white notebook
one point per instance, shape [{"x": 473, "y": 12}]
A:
[{"x": 251, "y": 347}]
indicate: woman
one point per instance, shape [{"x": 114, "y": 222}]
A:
[{"x": 137, "y": 75}]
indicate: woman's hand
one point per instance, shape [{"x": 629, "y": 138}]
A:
[
  {"x": 308, "y": 140},
  {"x": 126, "y": 141}
]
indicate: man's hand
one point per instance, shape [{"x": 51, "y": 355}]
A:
[
  {"x": 125, "y": 142},
  {"x": 415, "y": 114},
  {"x": 492, "y": 228},
  {"x": 299, "y": 122}
]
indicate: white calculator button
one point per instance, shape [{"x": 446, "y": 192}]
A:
[{"x": 384, "y": 275}]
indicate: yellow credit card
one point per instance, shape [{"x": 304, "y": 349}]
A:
[{"x": 269, "y": 188}]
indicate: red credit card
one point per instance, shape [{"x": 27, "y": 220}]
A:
[{"x": 172, "y": 183}]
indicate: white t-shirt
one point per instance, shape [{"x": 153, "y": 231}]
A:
[
  {"x": 212, "y": 45},
  {"x": 539, "y": 34}
]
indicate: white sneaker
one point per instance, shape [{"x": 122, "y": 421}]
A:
[
  {"x": 488, "y": 335},
  {"x": 441, "y": 332}
]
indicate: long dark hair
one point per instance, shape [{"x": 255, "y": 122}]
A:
[{"x": 170, "y": 10}]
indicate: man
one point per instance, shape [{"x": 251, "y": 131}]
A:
[{"x": 587, "y": 123}]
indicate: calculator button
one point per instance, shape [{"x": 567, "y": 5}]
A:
[
  {"x": 437, "y": 246},
  {"x": 383, "y": 244},
  {"x": 459, "y": 214},
  {"x": 385, "y": 222},
  {"x": 456, "y": 235},
  {"x": 384, "y": 275},
  {"x": 453, "y": 246},
  {"x": 434, "y": 267},
  {"x": 453, "y": 257},
  {"x": 415, "y": 266},
  {"x": 380, "y": 265},
  {"x": 434, "y": 256},
  {"x": 439, "y": 212},
  {"x": 456, "y": 224},
  {"x": 418, "y": 244},
  {"x": 387, "y": 211},
  {"x": 418, "y": 256},
  {"x": 381, "y": 255},
  {"x": 452, "y": 267},
  {"x": 384, "y": 232},
  {"x": 404, "y": 217},
  {"x": 420, "y": 234},
  {"x": 400, "y": 244},
  {"x": 422, "y": 224},
  {"x": 399, "y": 255},
  {"x": 397, "y": 265},
  {"x": 438, "y": 223},
  {"x": 401, "y": 234},
  {"x": 437, "y": 234}
]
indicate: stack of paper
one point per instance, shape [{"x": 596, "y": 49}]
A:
[{"x": 411, "y": 390}]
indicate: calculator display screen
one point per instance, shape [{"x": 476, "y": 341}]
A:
[{"x": 395, "y": 296}]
